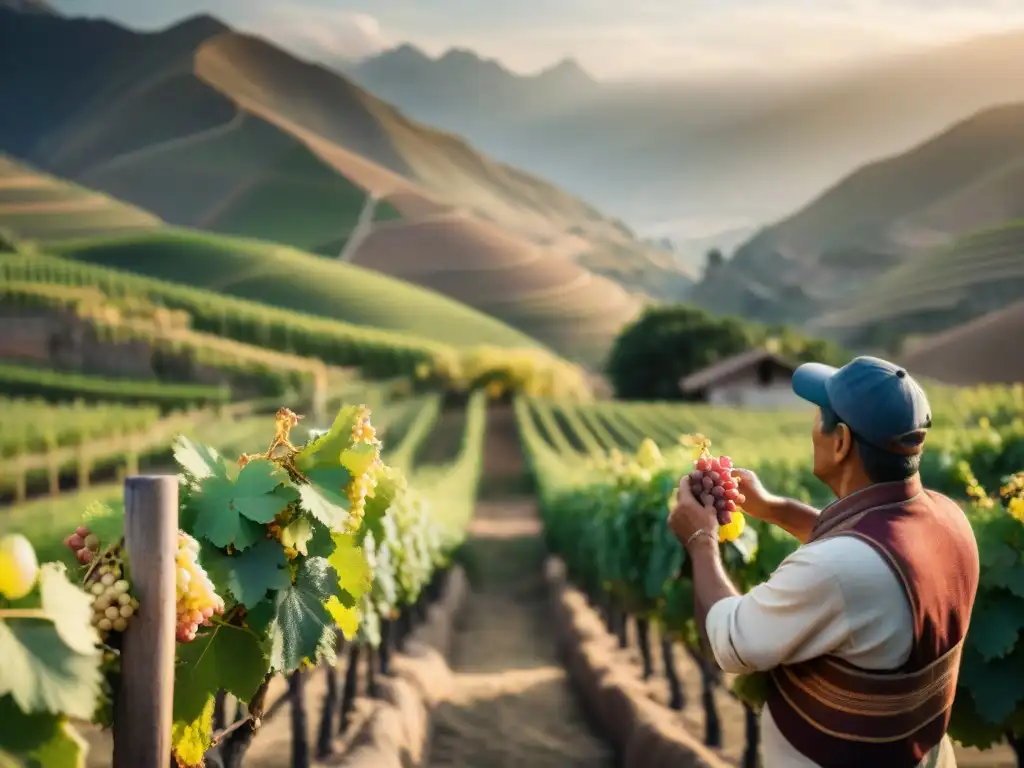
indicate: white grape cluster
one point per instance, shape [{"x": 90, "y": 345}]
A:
[
  {"x": 112, "y": 602},
  {"x": 197, "y": 600}
]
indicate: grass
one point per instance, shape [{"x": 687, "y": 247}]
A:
[
  {"x": 290, "y": 279},
  {"x": 38, "y": 206}
]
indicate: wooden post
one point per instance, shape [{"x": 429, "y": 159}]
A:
[{"x": 142, "y": 714}]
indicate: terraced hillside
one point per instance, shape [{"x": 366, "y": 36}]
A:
[
  {"x": 217, "y": 130},
  {"x": 35, "y": 205},
  {"x": 874, "y": 223},
  {"x": 935, "y": 291},
  {"x": 284, "y": 277}
]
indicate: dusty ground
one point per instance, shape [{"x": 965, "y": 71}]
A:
[{"x": 512, "y": 704}]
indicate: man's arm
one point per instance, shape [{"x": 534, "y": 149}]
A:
[
  {"x": 710, "y": 581},
  {"x": 792, "y": 516},
  {"x": 796, "y": 615}
]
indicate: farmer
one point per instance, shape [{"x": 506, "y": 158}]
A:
[{"x": 861, "y": 628}]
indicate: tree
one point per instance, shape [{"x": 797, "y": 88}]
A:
[{"x": 667, "y": 343}]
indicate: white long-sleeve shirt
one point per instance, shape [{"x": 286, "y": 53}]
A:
[{"x": 833, "y": 597}]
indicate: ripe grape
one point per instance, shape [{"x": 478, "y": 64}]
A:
[
  {"x": 712, "y": 483},
  {"x": 197, "y": 600}
]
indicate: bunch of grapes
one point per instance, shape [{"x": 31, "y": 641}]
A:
[
  {"x": 712, "y": 482},
  {"x": 112, "y": 602},
  {"x": 197, "y": 601},
  {"x": 84, "y": 544}
]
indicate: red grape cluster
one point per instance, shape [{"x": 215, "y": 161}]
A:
[
  {"x": 84, "y": 544},
  {"x": 712, "y": 483}
]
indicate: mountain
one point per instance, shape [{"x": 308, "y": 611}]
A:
[
  {"x": 461, "y": 83},
  {"x": 876, "y": 228},
  {"x": 209, "y": 128},
  {"x": 702, "y": 150}
]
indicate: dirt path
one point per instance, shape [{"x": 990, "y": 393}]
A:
[{"x": 512, "y": 704}]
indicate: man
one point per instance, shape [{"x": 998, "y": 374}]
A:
[{"x": 861, "y": 628}]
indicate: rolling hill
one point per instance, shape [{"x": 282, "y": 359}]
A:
[
  {"x": 691, "y": 158},
  {"x": 37, "y": 206},
  {"x": 212, "y": 129},
  {"x": 934, "y": 291},
  {"x": 860, "y": 244},
  {"x": 73, "y": 222},
  {"x": 977, "y": 352}
]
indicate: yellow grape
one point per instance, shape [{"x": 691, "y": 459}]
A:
[
  {"x": 732, "y": 530},
  {"x": 19, "y": 567}
]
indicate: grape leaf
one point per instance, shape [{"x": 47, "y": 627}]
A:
[
  {"x": 227, "y": 511},
  {"x": 325, "y": 498},
  {"x": 325, "y": 449},
  {"x": 45, "y": 675},
  {"x": 996, "y": 622},
  {"x": 256, "y": 571},
  {"x": 23, "y": 733},
  {"x": 190, "y": 740},
  {"x": 301, "y": 619},
  {"x": 225, "y": 658},
  {"x": 353, "y": 569},
  {"x": 346, "y": 618},
  {"x": 297, "y": 534},
  {"x": 199, "y": 461},
  {"x": 260, "y": 616},
  {"x": 69, "y": 607},
  {"x": 359, "y": 458},
  {"x": 66, "y": 749},
  {"x": 994, "y": 700}
]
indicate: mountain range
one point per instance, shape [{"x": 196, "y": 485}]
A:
[
  {"x": 210, "y": 128},
  {"x": 691, "y": 158}
]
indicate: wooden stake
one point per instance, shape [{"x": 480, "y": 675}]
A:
[{"x": 142, "y": 714}]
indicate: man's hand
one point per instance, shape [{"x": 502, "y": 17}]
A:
[
  {"x": 758, "y": 501},
  {"x": 690, "y": 516}
]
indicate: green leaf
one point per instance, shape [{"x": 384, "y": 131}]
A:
[
  {"x": 302, "y": 620},
  {"x": 325, "y": 498},
  {"x": 198, "y": 460},
  {"x": 349, "y": 561},
  {"x": 67, "y": 749},
  {"x": 230, "y": 512},
  {"x": 23, "y": 733},
  {"x": 69, "y": 607},
  {"x": 256, "y": 571},
  {"x": 261, "y": 616},
  {"x": 996, "y": 623},
  {"x": 225, "y": 658},
  {"x": 190, "y": 740},
  {"x": 325, "y": 450},
  {"x": 43, "y": 674}
]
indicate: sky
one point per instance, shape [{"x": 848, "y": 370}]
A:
[{"x": 612, "y": 39}]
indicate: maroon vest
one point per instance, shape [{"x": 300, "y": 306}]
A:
[{"x": 839, "y": 715}]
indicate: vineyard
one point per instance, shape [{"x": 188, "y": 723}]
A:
[{"x": 605, "y": 512}]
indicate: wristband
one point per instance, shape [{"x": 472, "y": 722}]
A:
[{"x": 696, "y": 535}]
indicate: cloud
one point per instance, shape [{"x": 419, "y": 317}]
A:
[{"x": 321, "y": 33}]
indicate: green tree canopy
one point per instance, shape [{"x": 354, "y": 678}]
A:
[{"x": 669, "y": 342}]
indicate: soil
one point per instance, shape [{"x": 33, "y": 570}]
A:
[{"x": 512, "y": 704}]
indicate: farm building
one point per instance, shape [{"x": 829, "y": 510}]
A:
[{"x": 757, "y": 378}]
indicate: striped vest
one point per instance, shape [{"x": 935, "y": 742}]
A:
[{"x": 839, "y": 715}]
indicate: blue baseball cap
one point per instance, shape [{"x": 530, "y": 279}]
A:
[{"x": 879, "y": 401}]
